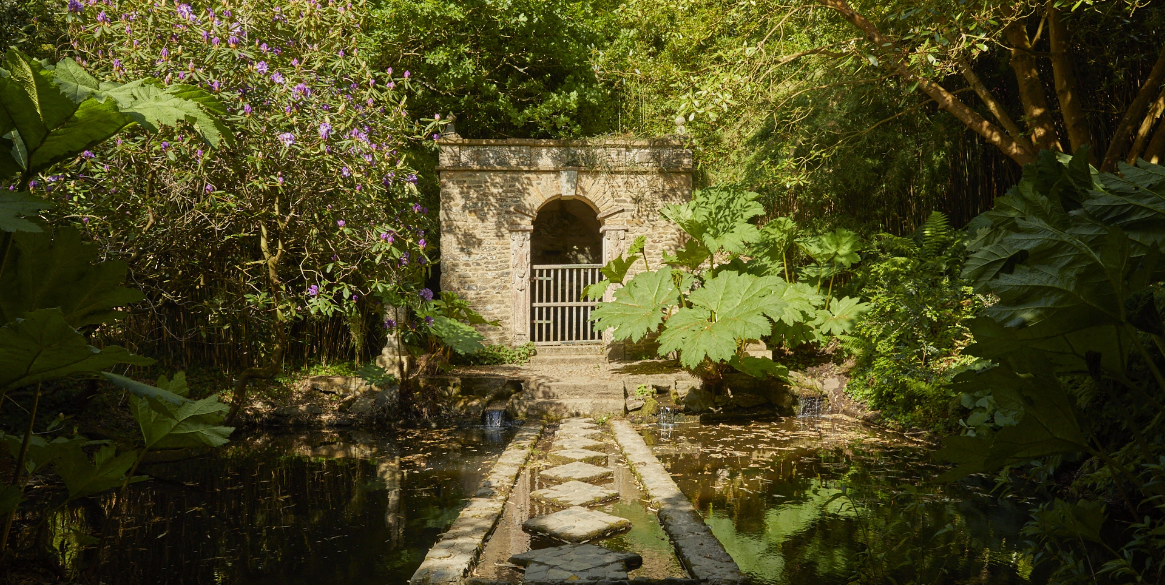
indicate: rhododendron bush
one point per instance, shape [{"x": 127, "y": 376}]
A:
[{"x": 311, "y": 215}]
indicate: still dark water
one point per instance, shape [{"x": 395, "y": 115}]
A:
[
  {"x": 311, "y": 508},
  {"x": 828, "y": 501}
]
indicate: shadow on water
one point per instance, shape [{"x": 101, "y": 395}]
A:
[
  {"x": 825, "y": 500},
  {"x": 309, "y": 507}
]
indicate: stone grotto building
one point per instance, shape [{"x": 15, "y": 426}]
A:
[{"x": 526, "y": 224}]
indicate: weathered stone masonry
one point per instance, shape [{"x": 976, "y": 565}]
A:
[{"x": 491, "y": 191}]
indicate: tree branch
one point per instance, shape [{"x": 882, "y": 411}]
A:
[
  {"x": 994, "y": 106},
  {"x": 1142, "y": 135},
  {"x": 1031, "y": 88},
  {"x": 945, "y": 99},
  {"x": 1120, "y": 138},
  {"x": 1071, "y": 107}
]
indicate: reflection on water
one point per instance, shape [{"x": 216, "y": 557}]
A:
[
  {"x": 825, "y": 500},
  {"x": 311, "y": 507}
]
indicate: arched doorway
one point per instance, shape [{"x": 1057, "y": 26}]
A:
[{"x": 566, "y": 251}]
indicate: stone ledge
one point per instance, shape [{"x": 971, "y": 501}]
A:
[
  {"x": 694, "y": 542},
  {"x": 457, "y": 550}
]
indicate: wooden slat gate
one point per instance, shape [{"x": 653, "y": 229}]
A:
[{"x": 558, "y": 311}]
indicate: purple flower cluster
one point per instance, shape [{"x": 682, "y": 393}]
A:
[
  {"x": 287, "y": 138},
  {"x": 426, "y": 294}
]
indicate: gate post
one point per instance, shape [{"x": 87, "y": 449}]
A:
[{"x": 520, "y": 282}]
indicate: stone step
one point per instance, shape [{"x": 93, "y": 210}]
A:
[
  {"x": 569, "y": 406},
  {"x": 570, "y": 349},
  {"x": 568, "y": 360},
  {"x": 585, "y": 389}
]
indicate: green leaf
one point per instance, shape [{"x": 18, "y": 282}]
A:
[
  {"x": 729, "y": 308},
  {"x": 93, "y": 123},
  {"x": 42, "y": 345},
  {"x": 758, "y": 367},
  {"x": 1082, "y": 519},
  {"x": 31, "y": 100},
  {"x": 616, "y": 269},
  {"x": 61, "y": 270},
  {"x": 10, "y": 498},
  {"x": 170, "y": 421},
  {"x": 85, "y": 477},
  {"x": 74, "y": 81},
  {"x": 152, "y": 105},
  {"x": 143, "y": 390},
  {"x": 719, "y": 218},
  {"x": 462, "y": 338},
  {"x": 41, "y": 452},
  {"x": 841, "y": 315},
  {"x": 839, "y": 247},
  {"x": 15, "y": 204},
  {"x": 638, "y": 307},
  {"x": 693, "y": 255}
]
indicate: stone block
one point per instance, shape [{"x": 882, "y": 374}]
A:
[
  {"x": 577, "y": 524},
  {"x": 576, "y": 471},
  {"x": 575, "y": 493}
]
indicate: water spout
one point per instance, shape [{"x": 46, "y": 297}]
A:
[
  {"x": 494, "y": 418},
  {"x": 810, "y": 406}
]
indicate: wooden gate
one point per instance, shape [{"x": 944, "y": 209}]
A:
[{"x": 558, "y": 311}]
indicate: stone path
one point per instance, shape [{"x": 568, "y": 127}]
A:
[{"x": 451, "y": 559}]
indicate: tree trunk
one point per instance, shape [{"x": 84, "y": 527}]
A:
[
  {"x": 1147, "y": 124},
  {"x": 1135, "y": 111},
  {"x": 1155, "y": 153},
  {"x": 995, "y": 107},
  {"x": 993, "y": 134},
  {"x": 1071, "y": 108},
  {"x": 1031, "y": 88}
]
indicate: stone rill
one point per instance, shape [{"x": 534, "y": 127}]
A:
[
  {"x": 575, "y": 493},
  {"x": 577, "y": 524},
  {"x": 575, "y": 562},
  {"x": 571, "y": 455},
  {"x": 577, "y": 471}
]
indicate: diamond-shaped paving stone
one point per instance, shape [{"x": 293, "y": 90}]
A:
[
  {"x": 575, "y": 493},
  {"x": 561, "y": 443},
  {"x": 569, "y": 455},
  {"x": 577, "y": 524},
  {"x": 576, "y": 562},
  {"x": 577, "y": 471}
]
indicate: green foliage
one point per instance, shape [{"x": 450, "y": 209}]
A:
[
  {"x": 909, "y": 344},
  {"x": 500, "y": 355},
  {"x": 519, "y": 68},
  {"x": 615, "y": 271},
  {"x": 1073, "y": 383},
  {"x": 719, "y": 293},
  {"x": 644, "y": 391}
]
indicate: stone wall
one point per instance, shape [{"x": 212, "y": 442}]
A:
[{"x": 492, "y": 190}]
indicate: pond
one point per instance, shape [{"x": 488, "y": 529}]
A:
[
  {"x": 826, "y": 500},
  {"x": 310, "y": 507}
]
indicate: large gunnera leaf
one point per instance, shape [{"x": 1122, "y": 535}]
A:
[
  {"x": 729, "y": 307},
  {"x": 638, "y": 307},
  {"x": 719, "y": 218},
  {"x": 41, "y": 345},
  {"x": 61, "y": 270},
  {"x": 15, "y": 204},
  {"x": 170, "y": 421},
  {"x": 85, "y": 477},
  {"x": 462, "y": 338}
]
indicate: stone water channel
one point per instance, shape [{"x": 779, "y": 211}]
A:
[{"x": 590, "y": 503}]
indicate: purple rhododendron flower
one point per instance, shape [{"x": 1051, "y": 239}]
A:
[
  {"x": 261, "y": 66},
  {"x": 165, "y": 145},
  {"x": 87, "y": 154},
  {"x": 340, "y": 222},
  {"x": 287, "y": 138},
  {"x": 426, "y": 294},
  {"x": 277, "y": 78},
  {"x": 247, "y": 109},
  {"x": 75, "y": 6},
  {"x": 184, "y": 12},
  {"x": 313, "y": 290},
  {"x": 198, "y": 153},
  {"x": 325, "y": 130},
  {"x": 406, "y": 74},
  {"x": 209, "y": 188},
  {"x": 117, "y": 64},
  {"x": 165, "y": 52},
  {"x": 346, "y": 172},
  {"x": 355, "y": 298},
  {"x": 390, "y": 323},
  {"x": 102, "y": 18},
  {"x": 421, "y": 243},
  {"x": 85, "y": 220},
  {"x": 428, "y": 320}
]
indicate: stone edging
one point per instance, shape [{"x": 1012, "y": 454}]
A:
[
  {"x": 457, "y": 550},
  {"x": 694, "y": 542}
]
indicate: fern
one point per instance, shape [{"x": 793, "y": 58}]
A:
[{"x": 935, "y": 234}]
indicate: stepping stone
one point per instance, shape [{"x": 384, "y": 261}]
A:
[
  {"x": 577, "y": 524},
  {"x": 576, "y": 562},
  {"x": 574, "y": 443},
  {"x": 578, "y": 419},
  {"x": 571, "y": 455},
  {"x": 575, "y": 493},
  {"x": 577, "y": 471},
  {"x": 576, "y": 432}
]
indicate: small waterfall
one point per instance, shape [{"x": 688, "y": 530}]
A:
[
  {"x": 667, "y": 416},
  {"x": 494, "y": 418},
  {"x": 810, "y": 406}
]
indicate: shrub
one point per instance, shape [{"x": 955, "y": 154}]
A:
[
  {"x": 909, "y": 344},
  {"x": 499, "y": 355}
]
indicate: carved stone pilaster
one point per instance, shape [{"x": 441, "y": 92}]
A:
[
  {"x": 520, "y": 274},
  {"x": 614, "y": 245}
]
